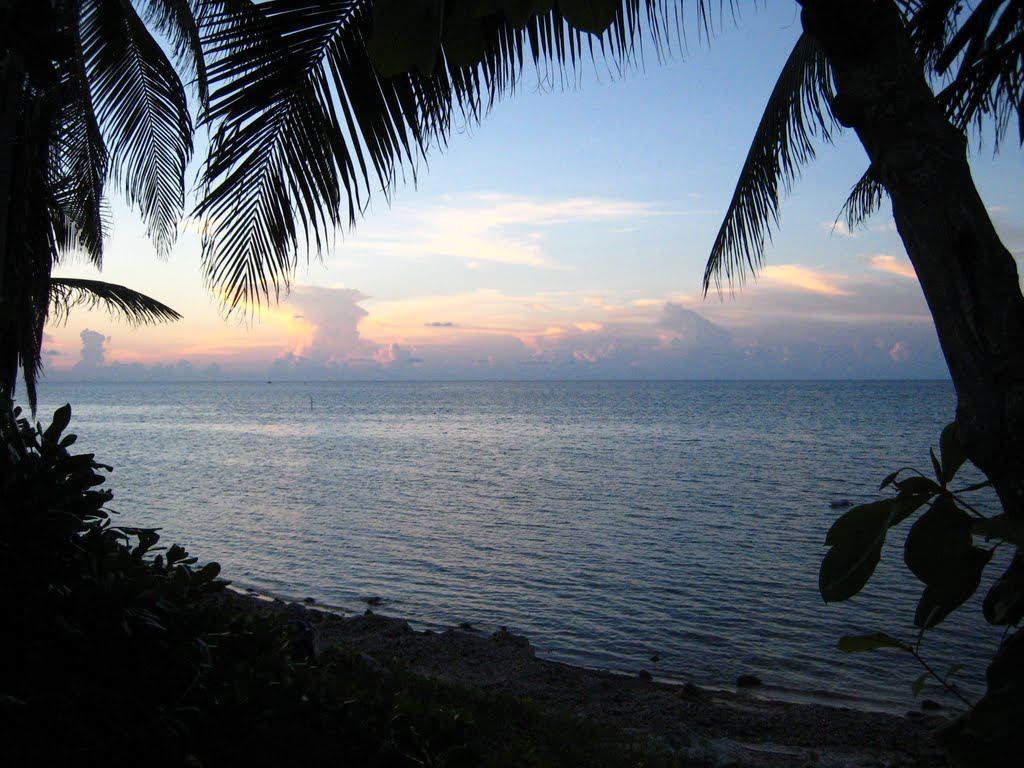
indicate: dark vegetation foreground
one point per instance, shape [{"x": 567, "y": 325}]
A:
[{"x": 117, "y": 651}]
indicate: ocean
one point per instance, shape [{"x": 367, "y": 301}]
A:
[{"x": 673, "y": 527}]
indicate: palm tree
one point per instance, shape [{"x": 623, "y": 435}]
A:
[
  {"x": 87, "y": 96},
  {"x": 342, "y": 95},
  {"x": 313, "y": 105}
]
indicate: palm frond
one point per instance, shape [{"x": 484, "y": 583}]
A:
[
  {"x": 79, "y": 165},
  {"x": 865, "y": 199},
  {"x": 989, "y": 84},
  {"x": 28, "y": 115},
  {"x": 143, "y": 112},
  {"x": 980, "y": 52},
  {"x": 178, "y": 22},
  {"x": 134, "y": 307},
  {"x": 797, "y": 112},
  {"x": 304, "y": 127}
]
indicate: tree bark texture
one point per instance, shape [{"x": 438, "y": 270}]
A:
[{"x": 968, "y": 276}]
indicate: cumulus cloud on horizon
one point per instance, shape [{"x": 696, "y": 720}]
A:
[{"x": 664, "y": 339}]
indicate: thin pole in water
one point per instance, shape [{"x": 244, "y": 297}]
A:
[{"x": 310, "y": 403}]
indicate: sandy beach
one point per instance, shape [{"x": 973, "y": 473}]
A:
[{"x": 715, "y": 727}]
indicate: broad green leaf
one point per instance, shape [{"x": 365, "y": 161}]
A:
[
  {"x": 856, "y": 539},
  {"x": 1004, "y": 603},
  {"x": 68, "y": 440},
  {"x": 406, "y": 36},
  {"x": 61, "y": 419},
  {"x": 918, "y": 485},
  {"x": 862, "y": 520},
  {"x": 931, "y": 610},
  {"x": 889, "y": 479},
  {"x": 951, "y": 451},
  {"x": 938, "y": 538},
  {"x": 935, "y": 465},
  {"x": 209, "y": 571},
  {"x": 594, "y": 16},
  {"x": 909, "y": 503},
  {"x": 939, "y": 550},
  {"x": 1000, "y": 527},
  {"x": 871, "y": 642}
]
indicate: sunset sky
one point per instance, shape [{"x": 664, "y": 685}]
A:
[{"x": 566, "y": 237}]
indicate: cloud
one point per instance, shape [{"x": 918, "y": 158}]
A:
[
  {"x": 94, "y": 350},
  {"x": 330, "y": 320},
  {"x": 440, "y": 324},
  {"x": 93, "y": 366},
  {"x": 899, "y": 352},
  {"x": 685, "y": 329},
  {"x": 396, "y": 353},
  {"x": 500, "y": 228},
  {"x": 804, "y": 279},
  {"x": 838, "y": 228},
  {"x": 886, "y": 263}
]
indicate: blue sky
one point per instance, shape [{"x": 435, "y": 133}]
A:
[{"x": 565, "y": 237}]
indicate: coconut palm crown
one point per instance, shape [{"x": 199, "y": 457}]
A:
[{"x": 311, "y": 106}]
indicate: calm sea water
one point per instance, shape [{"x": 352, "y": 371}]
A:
[{"x": 613, "y": 523}]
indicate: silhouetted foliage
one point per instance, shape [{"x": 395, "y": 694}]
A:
[
  {"x": 942, "y": 550},
  {"x": 117, "y": 651}
]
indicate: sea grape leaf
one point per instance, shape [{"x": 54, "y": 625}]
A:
[
  {"x": 406, "y": 36},
  {"x": 935, "y": 465},
  {"x": 940, "y": 536},
  {"x": 952, "y": 452},
  {"x": 939, "y": 550},
  {"x": 594, "y": 16},
  {"x": 61, "y": 419},
  {"x": 856, "y": 541},
  {"x": 918, "y": 485},
  {"x": 890, "y": 478},
  {"x": 1000, "y": 527},
  {"x": 870, "y": 642},
  {"x": 931, "y": 610},
  {"x": 1004, "y": 603}
]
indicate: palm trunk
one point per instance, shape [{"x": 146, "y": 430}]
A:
[
  {"x": 10, "y": 92},
  {"x": 968, "y": 276}
]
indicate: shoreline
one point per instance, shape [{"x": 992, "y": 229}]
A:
[
  {"x": 709, "y": 725},
  {"x": 766, "y": 691}
]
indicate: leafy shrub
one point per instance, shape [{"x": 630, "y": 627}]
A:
[
  {"x": 117, "y": 651},
  {"x": 947, "y": 548}
]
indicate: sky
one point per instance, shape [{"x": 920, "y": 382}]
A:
[{"x": 565, "y": 237}]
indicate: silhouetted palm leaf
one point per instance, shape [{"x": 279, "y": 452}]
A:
[
  {"x": 131, "y": 306},
  {"x": 864, "y": 200},
  {"x": 305, "y": 127},
  {"x": 797, "y": 112},
  {"x": 178, "y": 22},
  {"x": 142, "y": 111},
  {"x": 981, "y": 50},
  {"x": 79, "y": 167}
]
